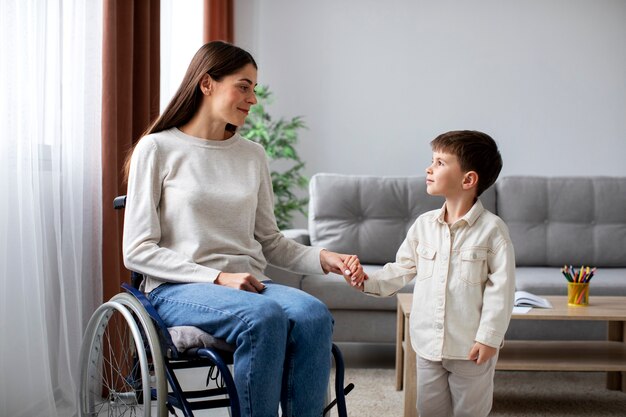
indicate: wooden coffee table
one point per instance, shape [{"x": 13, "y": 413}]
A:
[{"x": 520, "y": 355}]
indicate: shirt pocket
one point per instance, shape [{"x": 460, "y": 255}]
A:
[
  {"x": 473, "y": 265},
  {"x": 426, "y": 261}
]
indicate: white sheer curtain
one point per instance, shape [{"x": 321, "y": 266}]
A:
[
  {"x": 50, "y": 192},
  {"x": 181, "y": 36}
]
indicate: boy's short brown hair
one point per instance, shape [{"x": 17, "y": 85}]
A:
[{"x": 476, "y": 151}]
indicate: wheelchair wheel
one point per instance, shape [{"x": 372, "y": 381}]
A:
[{"x": 121, "y": 367}]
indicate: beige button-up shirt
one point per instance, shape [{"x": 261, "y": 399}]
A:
[{"x": 464, "y": 282}]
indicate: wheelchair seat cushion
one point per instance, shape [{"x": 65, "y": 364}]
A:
[{"x": 186, "y": 337}]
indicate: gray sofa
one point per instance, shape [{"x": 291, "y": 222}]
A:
[{"x": 552, "y": 221}]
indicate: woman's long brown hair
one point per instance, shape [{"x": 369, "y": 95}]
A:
[{"x": 218, "y": 59}]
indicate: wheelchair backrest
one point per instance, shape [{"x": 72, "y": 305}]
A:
[{"x": 136, "y": 279}]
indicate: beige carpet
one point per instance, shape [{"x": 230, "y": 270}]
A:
[
  {"x": 520, "y": 394},
  {"x": 374, "y": 393}
]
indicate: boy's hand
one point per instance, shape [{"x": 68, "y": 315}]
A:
[
  {"x": 357, "y": 273},
  {"x": 481, "y": 353}
]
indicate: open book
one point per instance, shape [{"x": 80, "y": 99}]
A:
[{"x": 524, "y": 298}]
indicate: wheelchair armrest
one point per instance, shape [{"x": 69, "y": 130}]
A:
[
  {"x": 161, "y": 326},
  {"x": 119, "y": 202}
]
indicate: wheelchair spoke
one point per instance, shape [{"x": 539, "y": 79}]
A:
[{"x": 114, "y": 372}]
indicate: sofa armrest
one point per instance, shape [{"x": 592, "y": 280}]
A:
[{"x": 299, "y": 235}]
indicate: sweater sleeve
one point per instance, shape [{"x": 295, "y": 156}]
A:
[
  {"x": 277, "y": 249},
  {"x": 142, "y": 229}
]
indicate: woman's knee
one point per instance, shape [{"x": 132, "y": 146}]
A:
[
  {"x": 321, "y": 313},
  {"x": 315, "y": 318},
  {"x": 268, "y": 317}
]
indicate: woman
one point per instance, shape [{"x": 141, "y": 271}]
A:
[{"x": 199, "y": 224}]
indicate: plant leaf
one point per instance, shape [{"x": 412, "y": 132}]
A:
[{"x": 279, "y": 138}]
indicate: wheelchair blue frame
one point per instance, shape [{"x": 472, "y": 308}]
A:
[{"x": 192, "y": 358}]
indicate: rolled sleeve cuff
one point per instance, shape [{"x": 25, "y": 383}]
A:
[
  {"x": 371, "y": 286},
  {"x": 489, "y": 337}
]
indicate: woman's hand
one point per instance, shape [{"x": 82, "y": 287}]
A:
[
  {"x": 334, "y": 262},
  {"x": 240, "y": 281},
  {"x": 346, "y": 265}
]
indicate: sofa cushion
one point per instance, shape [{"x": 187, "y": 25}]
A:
[
  {"x": 369, "y": 216},
  {"x": 555, "y": 221}
]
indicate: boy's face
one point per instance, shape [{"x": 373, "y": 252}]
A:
[{"x": 444, "y": 176}]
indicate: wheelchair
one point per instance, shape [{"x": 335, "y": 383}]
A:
[{"x": 129, "y": 363}]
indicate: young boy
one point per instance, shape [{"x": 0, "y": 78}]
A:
[{"x": 463, "y": 263}]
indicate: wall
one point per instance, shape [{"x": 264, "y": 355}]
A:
[{"x": 377, "y": 81}]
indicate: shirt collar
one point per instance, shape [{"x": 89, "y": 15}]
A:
[{"x": 470, "y": 217}]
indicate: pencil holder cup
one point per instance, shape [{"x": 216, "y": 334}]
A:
[{"x": 577, "y": 294}]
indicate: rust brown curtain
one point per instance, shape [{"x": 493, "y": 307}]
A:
[
  {"x": 130, "y": 102},
  {"x": 218, "y": 20}
]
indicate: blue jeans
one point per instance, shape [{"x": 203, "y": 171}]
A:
[{"x": 282, "y": 334}]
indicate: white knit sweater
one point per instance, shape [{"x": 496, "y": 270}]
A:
[{"x": 198, "y": 207}]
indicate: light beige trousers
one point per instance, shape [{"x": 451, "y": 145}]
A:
[{"x": 458, "y": 388}]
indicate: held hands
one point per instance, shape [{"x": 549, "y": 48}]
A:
[
  {"x": 346, "y": 265},
  {"x": 240, "y": 281},
  {"x": 334, "y": 262},
  {"x": 357, "y": 276},
  {"x": 481, "y": 353}
]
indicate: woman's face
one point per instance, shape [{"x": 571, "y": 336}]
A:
[{"x": 234, "y": 94}]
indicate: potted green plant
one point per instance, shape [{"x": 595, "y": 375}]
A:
[{"x": 279, "y": 138}]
